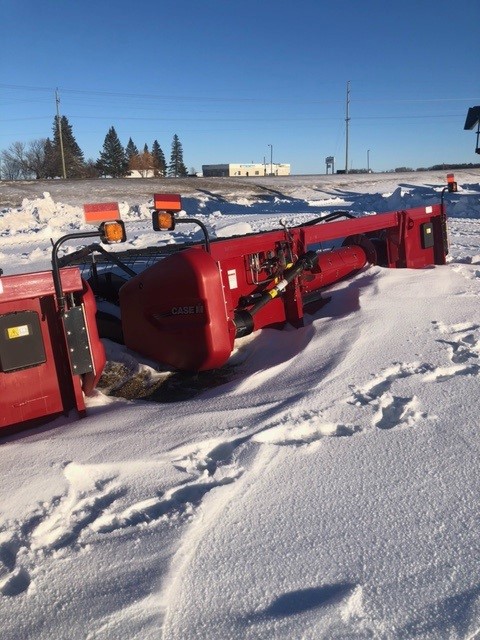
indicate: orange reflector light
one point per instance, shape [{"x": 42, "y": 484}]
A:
[
  {"x": 167, "y": 201},
  {"x": 163, "y": 221},
  {"x": 113, "y": 232},
  {"x": 100, "y": 212}
]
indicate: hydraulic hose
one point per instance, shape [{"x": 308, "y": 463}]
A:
[{"x": 244, "y": 318}]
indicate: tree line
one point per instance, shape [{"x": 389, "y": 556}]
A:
[{"x": 60, "y": 156}]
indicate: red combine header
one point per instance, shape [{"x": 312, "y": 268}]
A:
[{"x": 187, "y": 308}]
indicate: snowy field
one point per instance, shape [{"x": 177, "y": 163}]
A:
[{"x": 324, "y": 486}]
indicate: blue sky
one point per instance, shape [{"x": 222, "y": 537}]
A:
[{"x": 231, "y": 78}]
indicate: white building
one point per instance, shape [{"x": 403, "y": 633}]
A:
[
  {"x": 245, "y": 170},
  {"x": 140, "y": 173}
]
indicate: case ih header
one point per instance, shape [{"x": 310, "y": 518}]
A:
[{"x": 187, "y": 308}]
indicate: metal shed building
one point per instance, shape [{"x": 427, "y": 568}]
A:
[{"x": 245, "y": 170}]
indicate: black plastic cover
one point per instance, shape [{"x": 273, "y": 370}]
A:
[
  {"x": 21, "y": 341},
  {"x": 427, "y": 237}
]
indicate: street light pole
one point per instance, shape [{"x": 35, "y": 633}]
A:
[
  {"x": 271, "y": 159},
  {"x": 368, "y": 160}
]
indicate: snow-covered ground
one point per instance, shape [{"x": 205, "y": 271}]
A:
[{"x": 325, "y": 485}]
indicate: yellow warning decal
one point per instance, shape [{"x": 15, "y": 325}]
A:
[{"x": 18, "y": 332}]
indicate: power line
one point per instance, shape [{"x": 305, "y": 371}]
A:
[
  {"x": 187, "y": 98},
  {"x": 229, "y": 99},
  {"x": 246, "y": 119}
]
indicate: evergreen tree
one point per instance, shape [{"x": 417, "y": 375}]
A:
[
  {"x": 176, "y": 167},
  {"x": 73, "y": 155},
  {"x": 131, "y": 149},
  {"x": 159, "y": 162},
  {"x": 145, "y": 148},
  {"x": 113, "y": 161}
]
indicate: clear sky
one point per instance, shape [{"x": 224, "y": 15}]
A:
[{"x": 231, "y": 78}]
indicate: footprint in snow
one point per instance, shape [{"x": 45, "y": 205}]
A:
[
  {"x": 87, "y": 499},
  {"x": 13, "y": 579},
  {"x": 179, "y": 500},
  {"x": 463, "y": 343},
  {"x": 301, "y": 429},
  {"x": 380, "y": 385},
  {"x": 394, "y": 411}
]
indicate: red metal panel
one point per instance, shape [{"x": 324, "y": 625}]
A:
[
  {"x": 416, "y": 256},
  {"x": 343, "y": 228},
  {"x": 304, "y": 236},
  {"x": 34, "y": 285},
  {"x": 404, "y": 242},
  {"x": 174, "y": 312},
  {"x": 35, "y": 392},
  {"x": 29, "y": 395}
]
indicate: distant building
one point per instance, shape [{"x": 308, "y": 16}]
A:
[
  {"x": 140, "y": 173},
  {"x": 245, "y": 170}
]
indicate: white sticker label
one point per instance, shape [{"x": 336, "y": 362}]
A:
[
  {"x": 428, "y": 209},
  {"x": 232, "y": 279},
  {"x": 1, "y": 286}
]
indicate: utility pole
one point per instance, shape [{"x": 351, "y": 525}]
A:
[
  {"x": 368, "y": 160},
  {"x": 347, "y": 121},
  {"x": 271, "y": 159},
  {"x": 59, "y": 124}
]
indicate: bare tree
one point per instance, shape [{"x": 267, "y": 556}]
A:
[
  {"x": 21, "y": 161},
  {"x": 36, "y": 158},
  {"x": 9, "y": 168},
  {"x": 14, "y": 161}
]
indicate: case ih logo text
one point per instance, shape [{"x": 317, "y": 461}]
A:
[{"x": 192, "y": 309}]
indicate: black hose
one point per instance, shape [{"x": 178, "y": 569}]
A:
[
  {"x": 244, "y": 318},
  {"x": 328, "y": 218}
]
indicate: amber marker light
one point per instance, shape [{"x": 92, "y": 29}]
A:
[
  {"x": 163, "y": 221},
  {"x": 451, "y": 184},
  {"x": 113, "y": 232}
]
